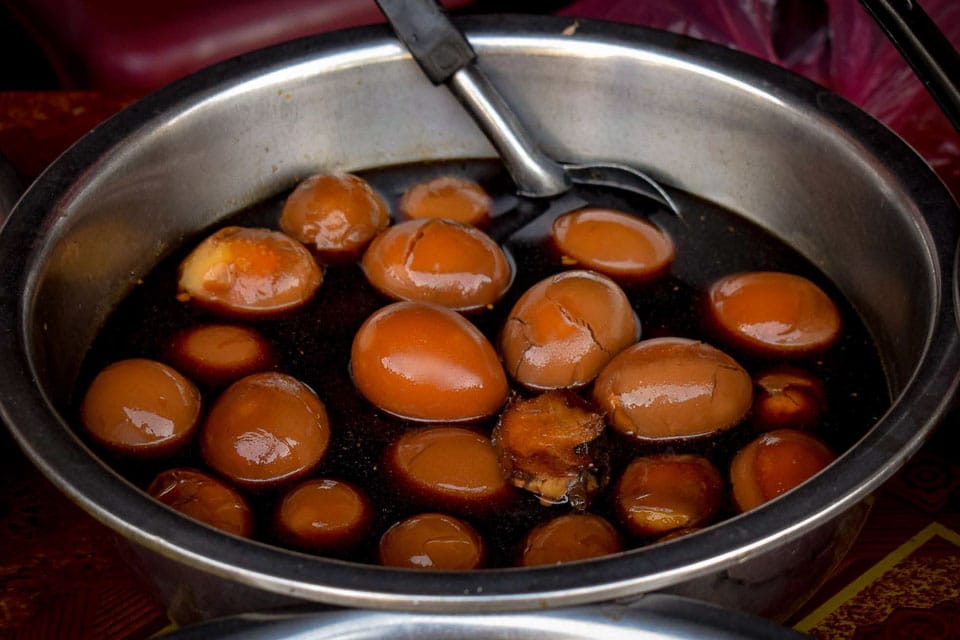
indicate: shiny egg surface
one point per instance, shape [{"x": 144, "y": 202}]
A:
[{"x": 414, "y": 377}]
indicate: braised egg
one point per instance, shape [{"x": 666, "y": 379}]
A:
[
  {"x": 614, "y": 243},
  {"x": 448, "y": 197},
  {"x": 335, "y": 214},
  {"x": 424, "y": 362},
  {"x": 204, "y": 498},
  {"x": 249, "y": 272},
  {"x": 673, "y": 388},
  {"x": 565, "y": 328},
  {"x": 770, "y": 313},
  {"x": 264, "y": 430},
  {"x": 432, "y": 541},
  {"x": 439, "y": 261},
  {"x": 141, "y": 408}
]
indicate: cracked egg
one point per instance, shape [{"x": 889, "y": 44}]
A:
[
  {"x": 673, "y": 388},
  {"x": 439, "y": 261},
  {"x": 564, "y": 329}
]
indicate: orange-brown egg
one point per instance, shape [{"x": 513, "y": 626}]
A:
[
  {"x": 204, "y": 498},
  {"x": 448, "y": 197},
  {"x": 663, "y": 493},
  {"x": 141, "y": 408},
  {"x": 565, "y": 328},
  {"x": 774, "y": 463},
  {"x": 424, "y": 362},
  {"x": 249, "y": 272},
  {"x": 787, "y": 398},
  {"x": 552, "y": 445},
  {"x": 447, "y": 467},
  {"x": 769, "y": 313},
  {"x": 432, "y": 541},
  {"x": 439, "y": 261},
  {"x": 569, "y": 537},
  {"x": 673, "y": 388},
  {"x": 612, "y": 242},
  {"x": 264, "y": 430},
  {"x": 335, "y": 214},
  {"x": 323, "y": 515},
  {"x": 216, "y": 354}
]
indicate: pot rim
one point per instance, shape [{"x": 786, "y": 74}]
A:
[{"x": 65, "y": 460}]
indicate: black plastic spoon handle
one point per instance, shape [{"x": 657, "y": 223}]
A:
[{"x": 924, "y": 47}]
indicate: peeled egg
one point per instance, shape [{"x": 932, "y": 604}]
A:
[
  {"x": 573, "y": 536},
  {"x": 774, "y": 463},
  {"x": 448, "y": 197},
  {"x": 323, "y": 515},
  {"x": 249, "y": 272},
  {"x": 612, "y": 242},
  {"x": 448, "y": 467},
  {"x": 787, "y": 397},
  {"x": 565, "y": 328},
  {"x": 264, "y": 430},
  {"x": 439, "y": 261},
  {"x": 673, "y": 388},
  {"x": 769, "y": 313},
  {"x": 204, "y": 498},
  {"x": 141, "y": 408},
  {"x": 335, "y": 214},
  {"x": 668, "y": 492},
  {"x": 424, "y": 362},
  {"x": 216, "y": 354},
  {"x": 432, "y": 541}
]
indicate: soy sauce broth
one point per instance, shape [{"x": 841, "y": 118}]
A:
[{"x": 313, "y": 345}]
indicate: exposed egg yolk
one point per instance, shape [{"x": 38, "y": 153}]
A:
[{"x": 249, "y": 272}]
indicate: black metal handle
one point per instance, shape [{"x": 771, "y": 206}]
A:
[
  {"x": 924, "y": 47},
  {"x": 445, "y": 56},
  {"x": 435, "y": 43}
]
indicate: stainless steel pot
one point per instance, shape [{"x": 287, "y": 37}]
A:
[{"x": 787, "y": 154}]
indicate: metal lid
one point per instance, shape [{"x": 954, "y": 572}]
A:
[{"x": 655, "y": 616}]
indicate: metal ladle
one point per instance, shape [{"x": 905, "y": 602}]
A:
[{"x": 446, "y": 57}]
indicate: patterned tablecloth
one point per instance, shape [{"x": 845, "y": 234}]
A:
[{"x": 62, "y": 577}]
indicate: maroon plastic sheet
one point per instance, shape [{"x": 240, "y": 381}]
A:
[{"x": 834, "y": 42}]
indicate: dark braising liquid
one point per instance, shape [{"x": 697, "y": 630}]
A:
[{"x": 314, "y": 345}]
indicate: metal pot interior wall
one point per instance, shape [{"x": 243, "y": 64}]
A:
[{"x": 784, "y": 153}]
